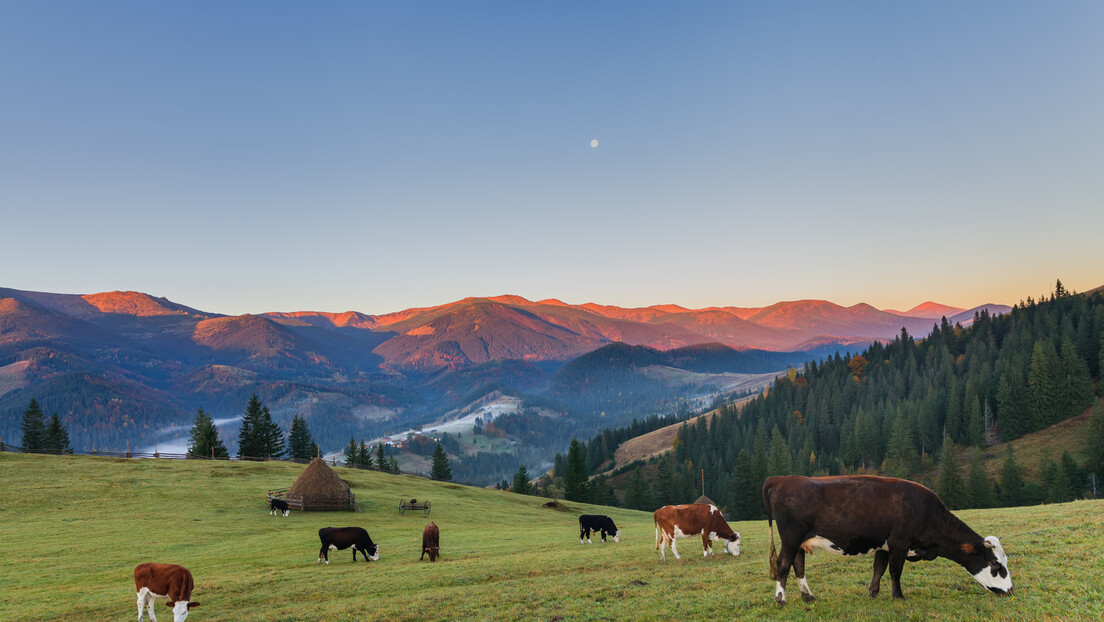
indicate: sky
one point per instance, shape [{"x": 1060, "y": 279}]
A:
[{"x": 376, "y": 156}]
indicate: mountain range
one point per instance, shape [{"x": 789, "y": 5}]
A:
[{"x": 121, "y": 365}]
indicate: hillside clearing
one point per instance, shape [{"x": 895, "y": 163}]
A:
[
  {"x": 658, "y": 441},
  {"x": 73, "y": 528}
]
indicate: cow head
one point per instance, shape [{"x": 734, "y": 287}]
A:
[
  {"x": 180, "y": 609},
  {"x": 733, "y": 546},
  {"x": 986, "y": 561},
  {"x": 374, "y": 553},
  {"x": 617, "y": 536}
]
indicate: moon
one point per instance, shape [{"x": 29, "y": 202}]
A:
[{"x": 594, "y": 143}]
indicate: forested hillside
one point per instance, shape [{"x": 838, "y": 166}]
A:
[{"x": 893, "y": 408}]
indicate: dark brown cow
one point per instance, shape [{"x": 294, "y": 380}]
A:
[
  {"x": 431, "y": 542},
  {"x": 681, "y": 521},
  {"x": 341, "y": 538},
  {"x": 153, "y": 581},
  {"x": 895, "y": 519}
]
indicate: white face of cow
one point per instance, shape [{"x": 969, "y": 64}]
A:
[
  {"x": 995, "y": 575},
  {"x": 733, "y": 546},
  {"x": 180, "y": 611},
  {"x": 617, "y": 536},
  {"x": 375, "y": 557}
]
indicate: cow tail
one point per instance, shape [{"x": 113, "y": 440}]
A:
[
  {"x": 768, "y": 491},
  {"x": 657, "y": 533}
]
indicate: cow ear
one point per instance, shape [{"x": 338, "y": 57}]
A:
[
  {"x": 170, "y": 604},
  {"x": 192, "y": 605},
  {"x": 968, "y": 548},
  {"x": 991, "y": 542}
]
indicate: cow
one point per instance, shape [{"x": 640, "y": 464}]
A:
[
  {"x": 341, "y": 538},
  {"x": 275, "y": 506},
  {"x": 600, "y": 524},
  {"x": 153, "y": 581},
  {"x": 682, "y": 521},
  {"x": 431, "y": 542},
  {"x": 895, "y": 519}
]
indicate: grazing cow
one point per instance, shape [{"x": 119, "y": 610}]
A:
[
  {"x": 598, "y": 523},
  {"x": 153, "y": 581},
  {"x": 895, "y": 519},
  {"x": 275, "y": 506},
  {"x": 431, "y": 542},
  {"x": 682, "y": 521},
  {"x": 341, "y": 538}
]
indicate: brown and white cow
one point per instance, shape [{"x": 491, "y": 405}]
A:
[
  {"x": 431, "y": 542},
  {"x": 153, "y": 581},
  {"x": 682, "y": 521},
  {"x": 895, "y": 519}
]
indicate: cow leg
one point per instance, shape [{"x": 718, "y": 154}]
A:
[
  {"x": 896, "y": 564},
  {"x": 881, "y": 560},
  {"x": 662, "y": 546},
  {"x": 707, "y": 547},
  {"x": 673, "y": 549},
  {"x": 799, "y": 572},
  {"x": 323, "y": 554},
  {"x": 785, "y": 559}
]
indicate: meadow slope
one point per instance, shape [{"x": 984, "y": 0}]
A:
[{"x": 73, "y": 528}]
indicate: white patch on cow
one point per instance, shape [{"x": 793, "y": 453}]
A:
[
  {"x": 180, "y": 611},
  {"x": 589, "y": 542},
  {"x": 712, "y": 508},
  {"x": 375, "y": 557},
  {"x": 779, "y": 592},
  {"x": 334, "y": 548},
  {"x": 617, "y": 536},
  {"x": 804, "y": 586},
  {"x": 286, "y": 512}
]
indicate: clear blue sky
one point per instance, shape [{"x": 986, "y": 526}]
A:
[{"x": 250, "y": 157}]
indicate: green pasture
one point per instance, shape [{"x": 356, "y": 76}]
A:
[{"x": 73, "y": 528}]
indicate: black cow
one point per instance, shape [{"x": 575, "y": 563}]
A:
[
  {"x": 275, "y": 506},
  {"x": 598, "y": 523},
  {"x": 895, "y": 519},
  {"x": 341, "y": 538}
]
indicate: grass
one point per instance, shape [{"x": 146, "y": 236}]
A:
[{"x": 73, "y": 528}]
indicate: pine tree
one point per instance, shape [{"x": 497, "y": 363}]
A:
[
  {"x": 393, "y": 467},
  {"x": 301, "y": 445},
  {"x": 901, "y": 458},
  {"x": 205, "y": 439},
  {"x": 779, "y": 461},
  {"x": 981, "y": 491},
  {"x": 441, "y": 471},
  {"x": 664, "y": 481},
  {"x": 1073, "y": 480},
  {"x": 352, "y": 453},
  {"x": 1095, "y": 442},
  {"x": 381, "y": 457},
  {"x": 744, "y": 490},
  {"x": 575, "y": 473},
  {"x": 1042, "y": 386},
  {"x": 57, "y": 439},
  {"x": 259, "y": 436},
  {"x": 952, "y": 490},
  {"x": 33, "y": 427},
  {"x": 521, "y": 481},
  {"x": 1011, "y": 481},
  {"x": 637, "y": 495},
  {"x": 1075, "y": 392},
  {"x": 364, "y": 455}
]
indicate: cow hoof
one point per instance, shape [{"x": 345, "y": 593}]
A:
[
  {"x": 808, "y": 597},
  {"x": 874, "y": 593},
  {"x": 780, "y": 599}
]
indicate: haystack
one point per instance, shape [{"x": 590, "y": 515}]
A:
[
  {"x": 319, "y": 488},
  {"x": 706, "y": 500}
]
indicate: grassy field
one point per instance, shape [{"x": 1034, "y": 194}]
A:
[{"x": 73, "y": 528}]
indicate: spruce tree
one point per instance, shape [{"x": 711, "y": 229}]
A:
[
  {"x": 952, "y": 490},
  {"x": 1011, "y": 481},
  {"x": 521, "y": 481},
  {"x": 637, "y": 495},
  {"x": 441, "y": 470},
  {"x": 1075, "y": 392},
  {"x": 259, "y": 436},
  {"x": 301, "y": 445},
  {"x": 364, "y": 455},
  {"x": 352, "y": 453},
  {"x": 56, "y": 438},
  {"x": 381, "y": 457},
  {"x": 575, "y": 473},
  {"x": 33, "y": 427},
  {"x": 981, "y": 491},
  {"x": 1095, "y": 442},
  {"x": 1073, "y": 480},
  {"x": 901, "y": 458},
  {"x": 779, "y": 461},
  {"x": 205, "y": 439},
  {"x": 273, "y": 436},
  {"x": 744, "y": 490}
]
